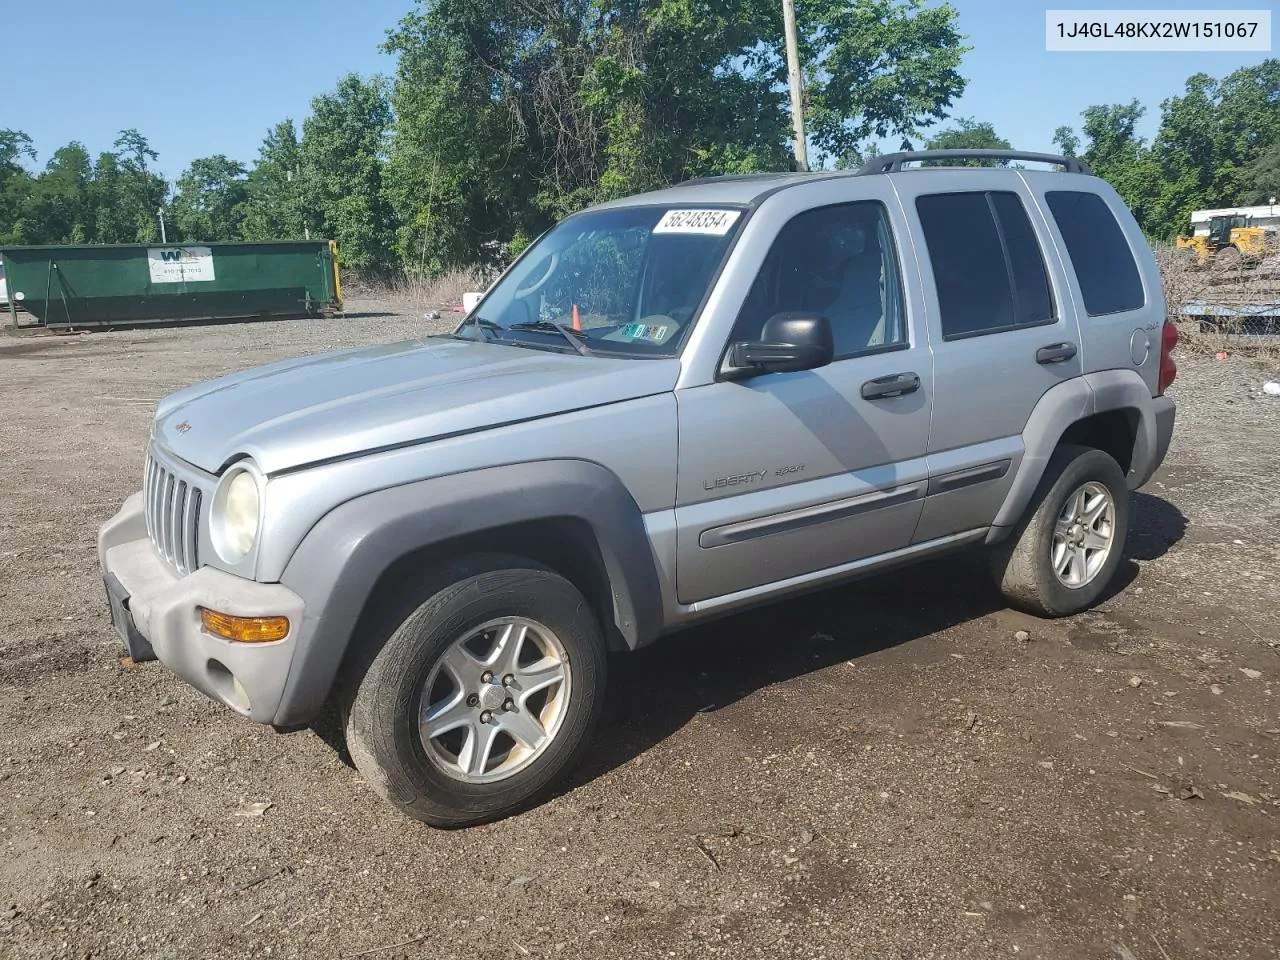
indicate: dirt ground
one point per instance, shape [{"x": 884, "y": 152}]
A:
[{"x": 879, "y": 772}]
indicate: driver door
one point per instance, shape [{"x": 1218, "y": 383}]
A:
[{"x": 786, "y": 474}]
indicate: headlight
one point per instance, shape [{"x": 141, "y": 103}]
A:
[{"x": 233, "y": 523}]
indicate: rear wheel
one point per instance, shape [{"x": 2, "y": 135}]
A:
[
  {"x": 483, "y": 698},
  {"x": 1068, "y": 547}
]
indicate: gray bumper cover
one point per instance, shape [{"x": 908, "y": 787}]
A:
[{"x": 164, "y": 608}]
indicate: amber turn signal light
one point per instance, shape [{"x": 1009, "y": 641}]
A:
[{"x": 244, "y": 629}]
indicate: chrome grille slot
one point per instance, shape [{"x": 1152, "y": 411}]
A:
[{"x": 173, "y": 515}]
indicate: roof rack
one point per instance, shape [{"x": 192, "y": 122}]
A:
[{"x": 893, "y": 162}]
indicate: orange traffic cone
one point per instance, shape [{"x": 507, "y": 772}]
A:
[{"x": 577, "y": 324}]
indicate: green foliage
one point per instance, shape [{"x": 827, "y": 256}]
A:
[
  {"x": 877, "y": 68},
  {"x": 1216, "y": 147},
  {"x": 509, "y": 116},
  {"x": 210, "y": 202},
  {"x": 343, "y": 153},
  {"x": 138, "y": 192},
  {"x": 1065, "y": 139},
  {"x": 273, "y": 207},
  {"x": 74, "y": 200},
  {"x": 1263, "y": 177},
  {"x": 60, "y": 200},
  {"x": 506, "y": 115},
  {"x": 969, "y": 134},
  {"x": 15, "y": 185}
]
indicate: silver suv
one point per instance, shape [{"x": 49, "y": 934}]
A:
[{"x": 670, "y": 408}]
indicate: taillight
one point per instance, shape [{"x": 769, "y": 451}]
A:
[{"x": 1168, "y": 366}]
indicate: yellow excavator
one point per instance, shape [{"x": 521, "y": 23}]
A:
[{"x": 1232, "y": 241}]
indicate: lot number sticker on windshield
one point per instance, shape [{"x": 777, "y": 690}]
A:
[{"x": 715, "y": 223}]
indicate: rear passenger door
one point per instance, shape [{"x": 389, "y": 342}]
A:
[{"x": 1002, "y": 333}]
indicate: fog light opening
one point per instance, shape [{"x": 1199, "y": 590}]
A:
[
  {"x": 244, "y": 629},
  {"x": 230, "y": 689}
]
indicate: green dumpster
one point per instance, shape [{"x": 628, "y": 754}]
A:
[{"x": 104, "y": 284}]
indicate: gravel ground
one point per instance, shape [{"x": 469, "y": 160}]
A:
[{"x": 879, "y": 771}]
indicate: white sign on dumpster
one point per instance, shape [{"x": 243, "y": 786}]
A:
[{"x": 180, "y": 264}]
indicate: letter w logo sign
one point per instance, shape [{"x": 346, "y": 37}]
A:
[{"x": 171, "y": 256}]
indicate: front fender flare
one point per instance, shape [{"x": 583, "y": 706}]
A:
[{"x": 339, "y": 562}]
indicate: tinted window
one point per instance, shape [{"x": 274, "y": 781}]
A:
[
  {"x": 838, "y": 262},
  {"x": 987, "y": 263},
  {"x": 1109, "y": 279},
  {"x": 1030, "y": 281}
]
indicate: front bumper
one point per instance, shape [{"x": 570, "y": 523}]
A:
[{"x": 155, "y": 610}]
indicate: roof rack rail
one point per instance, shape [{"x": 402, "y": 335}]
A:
[{"x": 893, "y": 162}]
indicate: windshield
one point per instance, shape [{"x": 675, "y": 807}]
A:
[{"x": 624, "y": 282}]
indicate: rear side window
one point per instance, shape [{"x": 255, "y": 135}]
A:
[
  {"x": 987, "y": 263},
  {"x": 1109, "y": 279}
]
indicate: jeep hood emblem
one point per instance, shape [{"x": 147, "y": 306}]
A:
[{"x": 183, "y": 427}]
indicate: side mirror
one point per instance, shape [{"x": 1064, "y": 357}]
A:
[
  {"x": 470, "y": 301},
  {"x": 788, "y": 342}
]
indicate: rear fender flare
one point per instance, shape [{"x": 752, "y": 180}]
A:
[{"x": 1055, "y": 412}]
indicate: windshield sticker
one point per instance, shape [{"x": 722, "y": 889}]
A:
[
  {"x": 643, "y": 331},
  {"x": 715, "y": 223}
]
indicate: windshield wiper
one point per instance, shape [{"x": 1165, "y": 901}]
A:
[{"x": 574, "y": 337}]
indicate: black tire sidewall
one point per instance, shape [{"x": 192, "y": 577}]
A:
[
  {"x": 1077, "y": 467},
  {"x": 386, "y": 701}
]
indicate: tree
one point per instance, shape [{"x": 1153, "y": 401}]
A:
[
  {"x": 879, "y": 68},
  {"x": 60, "y": 207},
  {"x": 1263, "y": 177},
  {"x": 273, "y": 208},
  {"x": 1065, "y": 139},
  {"x": 1119, "y": 155},
  {"x": 1210, "y": 139},
  {"x": 343, "y": 149},
  {"x": 15, "y": 184},
  {"x": 135, "y": 193},
  {"x": 509, "y": 116},
  {"x": 969, "y": 134},
  {"x": 209, "y": 204}
]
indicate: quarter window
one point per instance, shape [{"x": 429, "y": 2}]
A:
[
  {"x": 987, "y": 264},
  {"x": 838, "y": 262},
  {"x": 1108, "y": 275}
]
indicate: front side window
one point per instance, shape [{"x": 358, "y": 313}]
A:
[
  {"x": 625, "y": 282},
  {"x": 1104, "y": 264},
  {"x": 838, "y": 262},
  {"x": 987, "y": 265}
]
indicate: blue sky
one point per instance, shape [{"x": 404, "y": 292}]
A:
[{"x": 212, "y": 77}]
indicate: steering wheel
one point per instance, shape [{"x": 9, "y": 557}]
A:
[{"x": 553, "y": 261}]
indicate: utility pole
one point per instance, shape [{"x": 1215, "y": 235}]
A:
[
  {"x": 797, "y": 84},
  {"x": 163, "y": 237}
]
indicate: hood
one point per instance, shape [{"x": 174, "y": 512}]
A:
[{"x": 333, "y": 405}]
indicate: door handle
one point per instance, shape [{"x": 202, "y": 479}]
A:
[
  {"x": 894, "y": 385},
  {"x": 1056, "y": 353}
]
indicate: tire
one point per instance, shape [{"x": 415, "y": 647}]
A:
[
  {"x": 438, "y": 779},
  {"x": 1228, "y": 260},
  {"x": 1024, "y": 565}
]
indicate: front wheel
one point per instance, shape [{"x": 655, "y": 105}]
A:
[
  {"x": 1061, "y": 557},
  {"x": 483, "y": 698}
]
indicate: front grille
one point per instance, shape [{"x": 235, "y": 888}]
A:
[{"x": 173, "y": 516}]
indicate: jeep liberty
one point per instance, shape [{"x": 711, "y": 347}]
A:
[{"x": 671, "y": 407}]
